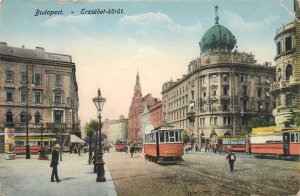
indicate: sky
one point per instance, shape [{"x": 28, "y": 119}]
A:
[{"x": 156, "y": 38}]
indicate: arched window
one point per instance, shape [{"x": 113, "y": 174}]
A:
[
  {"x": 9, "y": 117},
  {"x": 278, "y": 74},
  {"x": 37, "y": 117},
  {"x": 288, "y": 72},
  {"x": 23, "y": 117}
]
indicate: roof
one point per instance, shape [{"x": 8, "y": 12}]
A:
[{"x": 75, "y": 139}]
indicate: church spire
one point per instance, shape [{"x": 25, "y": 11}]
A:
[{"x": 137, "y": 82}]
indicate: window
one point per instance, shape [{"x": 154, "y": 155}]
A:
[
  {"x": 214, "y": 78},
  {"x": 192, "y": 92},
  {"x": 225, "y": 78},
  {"x": 37, "y": 96},
  {"x": 259, "y": 90},
  {"x": 244, "y": 91},
  {"x": 259, "y": 106},
  {"x": 23, "y": 95},
  {"x": 244, "y": 104},
  {"x": 278, "y": 75},
  {"x": 9, "y": 95},
  {"x": 225, "y": 90},
  {"x": 204, "y": 94},
  {"x": 57, "y": 79},
  {"x": 214, "y": 92},
  {"x": 172, "y": 136},
  {"x": 226, "y": 120},
  {"x": 37, "y": 117},
  {"x": 166, "y": 136},
  {"x": 244, "y": 78},
  {"x": 9, "y": 117},
  {"x": 267, "y": 80},
  {"x": 161, "y": 137},
  {"x": 278, "y": 44},
  {"x": 202, "y": 121},
  {"x": 258, "y": 79},
  {"x": 9, "y": 76},
  {"x": 57, "y": 97},
  {"x": 288, "y": 72},
  {"x": 58, "y": 116},
  {"x": 288, "y": 43},
  {"x": 23, "y": 117},
  {"x": 213, "y": 120},
  {"x": 289, "y": 100},
  {"x": 23, "y": 77},
  {"x": 203, "y": 79},
  {"x": 267, "y": 93},
  {"x": 225, "y": 106},
  {"x": 37, "y": 78}
]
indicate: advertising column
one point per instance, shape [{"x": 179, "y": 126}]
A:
[{"x": 9, "y": 134}]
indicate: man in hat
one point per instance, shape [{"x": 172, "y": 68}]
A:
[{"x": 54, "y": 163}]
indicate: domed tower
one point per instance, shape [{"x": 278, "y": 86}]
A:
[
  {"x": 286, "y": 88},
  {"x": 217, "y": 38}
]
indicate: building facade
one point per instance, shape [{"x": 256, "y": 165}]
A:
[
  {"x": 222, "y": 90},
  {"x": 286, "y": 88},
  {"x": 152, "y": 116},
  {"x": 118, "y": 130},
  {"x": 38, "y": 91}
]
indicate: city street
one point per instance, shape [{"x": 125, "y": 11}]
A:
[
  {"x": 200, "y": 174},
  {"x": 203, "y": 174},
  {"x": 31, "y": 177}
]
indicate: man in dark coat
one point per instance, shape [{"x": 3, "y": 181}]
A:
[
  {"x": 54, "y": 163},
  {"x": 231, "y": 159}
]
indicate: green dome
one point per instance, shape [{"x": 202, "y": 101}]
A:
[{"x": 217, "y": 39}]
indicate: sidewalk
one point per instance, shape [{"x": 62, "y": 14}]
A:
[{"x": 32, "y": 177}]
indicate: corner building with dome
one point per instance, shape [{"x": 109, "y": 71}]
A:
[{"x": 222, "y": 90}]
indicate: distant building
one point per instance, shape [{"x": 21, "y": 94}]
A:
[
  {"x": 286, "y": 88},
  {"x": 118, "y": 129},
  {"x": 222, "y": 90},
  {"x": 135, "y": 111},
  {"x": 42, "y": 86},
  {"x": 152, "y": 116}
]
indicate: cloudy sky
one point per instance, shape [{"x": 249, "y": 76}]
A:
[{"x": 157, "y": 38}]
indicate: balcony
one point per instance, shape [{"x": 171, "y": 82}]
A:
[
  {"x": 191, "y": 116},
  {"x": 58, "y": 105}
]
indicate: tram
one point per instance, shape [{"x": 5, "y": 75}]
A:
[
  {"x": 34, "y": 143},
  {"x": 121, "y": 145},
  {"x": 235, "y": 144},
  {"x": 164, "y": 145},
  {"x": 280, "y": 144}
]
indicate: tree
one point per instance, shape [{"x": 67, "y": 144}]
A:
[
  {"x": 294, "y": 120},
  {"x": 186, "y": 137},
  {"x": 257, "y": 121},
  {"x": 90, "y": 128}
]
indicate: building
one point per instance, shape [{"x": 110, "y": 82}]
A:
[
  {"x": 222, "y": 90},
  {"x": 117, "y": 130},
  {"x": 135, "y": 112},
  {"x": 41, "y": 86},
  {"x": 286, "y": 88},
  {"x": 152, "y": 116}
]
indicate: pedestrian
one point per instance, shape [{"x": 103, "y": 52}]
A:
[
  {"x": 131, "y": 150},
  {"x": 54, "y": 163},
  {"x": 78, "y": 150},
  {"x": 231, "y": 159}
]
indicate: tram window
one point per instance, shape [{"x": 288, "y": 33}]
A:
[
  {"x": 46, "y": 143},
  {"x": 233, "y": 142},
  {"x": 161, "y": 136},
  {"x": 19, "y": 143},
  {"x": 167, "y": 136},
  {"x": 292, "y": 137},
  {"x": 176, "y": 136},
  {"x": 241, "y": 141},
  {"x": 296, "y": 137},
  {"x": 172, "y": 139},
  {"x": 226, "y": 141},
  {"x": 32, "y": 143}
]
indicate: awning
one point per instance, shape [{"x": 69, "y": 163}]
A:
[{"x": 75, "y": 139}]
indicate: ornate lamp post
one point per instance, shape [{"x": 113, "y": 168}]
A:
[
  {"x": 28, "y": 119},
  {"x": 42, "y": 151},
  {"x": 99, "y": 103}
]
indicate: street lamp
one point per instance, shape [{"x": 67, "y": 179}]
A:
[
  {"x": 28, "y": 119},
  {"x": 99, "y": 103}
]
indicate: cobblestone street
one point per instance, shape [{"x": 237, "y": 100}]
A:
[{"x": 203, "y": 174}]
